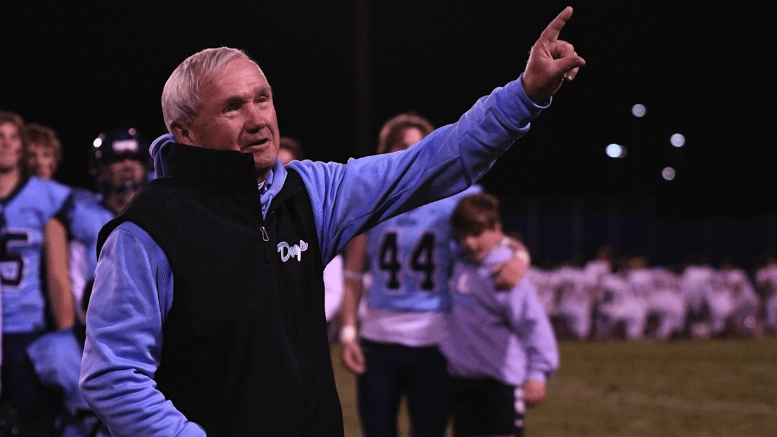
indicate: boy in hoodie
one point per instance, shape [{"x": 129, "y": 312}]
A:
[{"x": 500, "y": 345}]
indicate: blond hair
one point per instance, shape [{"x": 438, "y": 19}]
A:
[{"x": 46, "y": 137}]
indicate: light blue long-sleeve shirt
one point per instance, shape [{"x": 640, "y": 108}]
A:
[{"x": 134, "y": 283}]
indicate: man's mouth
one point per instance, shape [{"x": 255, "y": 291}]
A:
[{"x": 257, "y": 143}]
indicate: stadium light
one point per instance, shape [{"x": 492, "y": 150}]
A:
[
  {"x": 638, "y": 110},
  {"x": 668, "y": 173},
  {"x": 677, "y": 140},
  {"x": 615, "y": 151},
  {"x": 97, "y": 142}
]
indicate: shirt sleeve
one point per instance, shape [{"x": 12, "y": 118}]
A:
[
  {"x": 531, "y": 324},
  {"x": 130, "y": 299},
  {"x": 350, "y": 198}
]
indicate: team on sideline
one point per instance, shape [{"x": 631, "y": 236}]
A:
[
  {"x": 48, "y": 255},
  {"x": 629, "y": 299}
]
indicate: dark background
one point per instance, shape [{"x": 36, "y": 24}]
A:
[{"x": 705, "y": 72}]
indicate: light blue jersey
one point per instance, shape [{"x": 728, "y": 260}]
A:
[
  {"x": 89, "y": 216},
  {"x": 411, "y": 258},
  {"x": 23, "y": 217}
]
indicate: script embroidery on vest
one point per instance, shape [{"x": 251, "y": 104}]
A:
[{"x": 295, "y": 251}]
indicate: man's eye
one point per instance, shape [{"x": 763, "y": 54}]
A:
[{"x": 230, "y": 108}]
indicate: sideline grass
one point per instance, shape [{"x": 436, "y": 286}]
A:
[{"x": 684, "y": 388}]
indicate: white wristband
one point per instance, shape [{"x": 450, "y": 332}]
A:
[
  {"x": 350, "y": 274},
  {"x": 347, "y": 334}
]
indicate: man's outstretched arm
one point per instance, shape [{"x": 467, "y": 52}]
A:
[{"x": 349, "y": 199}]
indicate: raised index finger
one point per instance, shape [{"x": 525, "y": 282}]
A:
[{"x": 554, "y": 28}]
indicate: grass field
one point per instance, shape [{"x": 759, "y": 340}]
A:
[{"x": 684, "y": 388}]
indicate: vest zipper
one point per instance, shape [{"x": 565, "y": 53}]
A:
[
  {"x": 296, "y": 366},
  {"x": 265, "y": 237}
]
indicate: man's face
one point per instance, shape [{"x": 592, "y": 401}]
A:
[
  {"x": 237, "y": 113},
  {"x": 410, "y": 136},
  {"x": 41, "y": 161},
  {"x": 11, "y": 146},
  {"x": 127, "y": 174},
  {"x": 476, "y": 247}
]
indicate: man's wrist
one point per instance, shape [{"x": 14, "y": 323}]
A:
[
  {"x": 523, "y": 255},
  {"x": 348, "y": 334},
  {"x": 519, "y": 250}
]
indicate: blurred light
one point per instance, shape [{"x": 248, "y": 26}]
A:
[
  {"x": 638, "y": 110},
  {"x": 615, "y": 151},
  {"x": 97, "y": 142},
  {"x": 677, "y": 140},
  {"x": 668, "y": 173},
  {"x": 132, "y": 131}
]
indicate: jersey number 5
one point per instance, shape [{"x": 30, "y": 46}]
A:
[
  {"x": 12, "y": 263},
  {"x": 421, "y": 260}
]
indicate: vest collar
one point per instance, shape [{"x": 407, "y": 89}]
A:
[{"x": 217, "y": 167}]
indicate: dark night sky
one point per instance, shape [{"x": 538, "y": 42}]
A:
[{"x": 702, "y": 72}]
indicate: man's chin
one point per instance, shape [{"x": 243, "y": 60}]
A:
[
  {"x": 263, "y": 165},
  {"x": 265, "y": 157}
]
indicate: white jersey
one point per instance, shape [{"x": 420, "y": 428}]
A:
[
  {"x": 666, "y": 302},
  {"x": 595, "y": 269},
  {"x": 575, "y": 300},
  {"x": 695, "y": 282},
  {"x": 620, "y": 302},
  {"x": 333, "y": 287},
  {"x": 573, "y": 285},
  {"x": 741, "y": 287},
  {"x": 642, "y": 282},
  {"x": 616, "y": 296},
  {"x": 544, "y": 286},
  {"x": 720, "y": 302},
  {"x": 667, "y": 281},
  {"x": 766, "y": 280}
]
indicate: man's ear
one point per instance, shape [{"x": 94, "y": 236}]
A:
[{"x": 182, "y": 133}]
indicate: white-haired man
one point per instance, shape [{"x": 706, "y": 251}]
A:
[{"x": 207, "y": 314}]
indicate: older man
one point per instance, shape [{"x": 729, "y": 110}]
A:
[{"x": 207, "y": 314}]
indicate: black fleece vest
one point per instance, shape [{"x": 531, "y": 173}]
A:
[{"x": 245, "y": 350}]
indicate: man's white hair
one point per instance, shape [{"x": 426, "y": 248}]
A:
[{"x": 181, "y": 95}]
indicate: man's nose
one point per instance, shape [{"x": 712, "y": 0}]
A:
[{"x": 256, "y": 118}]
